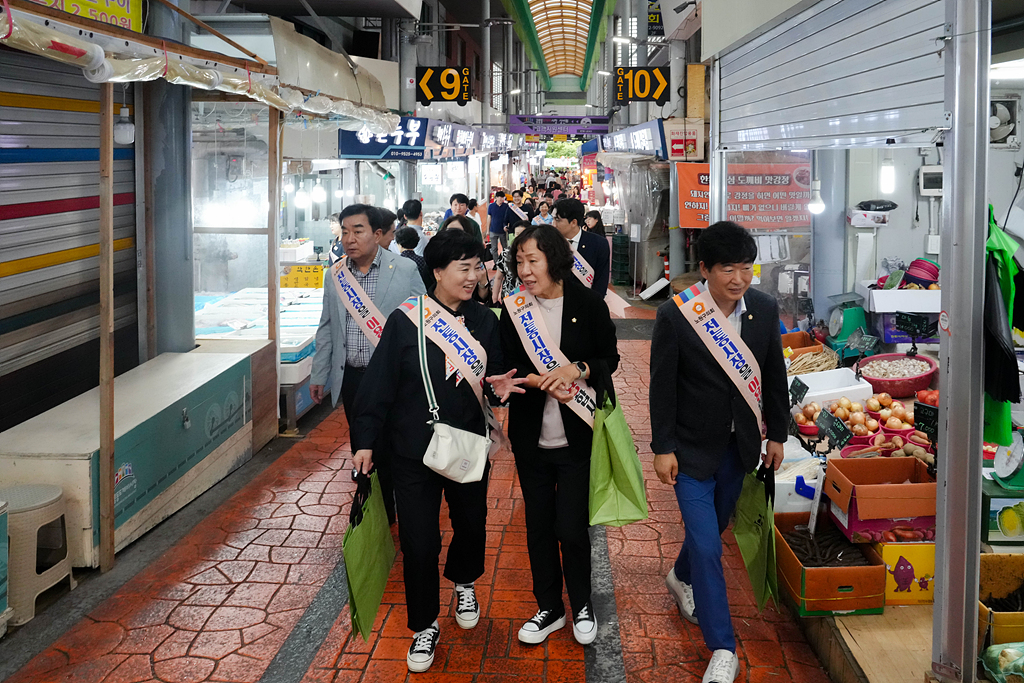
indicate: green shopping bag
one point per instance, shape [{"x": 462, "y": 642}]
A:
[
  {"x": 755, "y": 533},
  {"x": 617, "y": 495},
  {"x": 369, "y": 553}
]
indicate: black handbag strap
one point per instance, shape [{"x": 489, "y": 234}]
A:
[
  {"x": 362, "y": 494},
  {"x": 767, "y": 475}
]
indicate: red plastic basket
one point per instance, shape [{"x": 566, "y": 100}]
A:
[{"x": 903, "y": 387}]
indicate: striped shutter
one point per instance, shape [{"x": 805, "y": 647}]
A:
[
  {"x": 839, "y": 74},
  {"x": 49, "y": 237}
]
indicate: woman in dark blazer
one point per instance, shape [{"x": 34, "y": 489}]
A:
[{"x": 550, "y": 442}]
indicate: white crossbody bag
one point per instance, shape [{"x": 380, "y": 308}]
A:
[{"x": 454, "y": 453}]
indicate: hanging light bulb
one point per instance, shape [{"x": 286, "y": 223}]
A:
[
  {"x": 339, "y": 193},
  {"x": 124, "y": 129},
  {"x": 816, "y": 205},
  {"x": 302, "y": 198},
  {"x": 319, "y": 194},
  {"x": 887, "y": 174},
  {"x": 289, "y": 186}
]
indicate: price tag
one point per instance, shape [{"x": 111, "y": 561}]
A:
[
  {"x": 833, "y": 429},
  {"x": 867, "y": 343},
  {"x": 926, "y": 418},
  {"x": 797, "y": 391},
  {"x": 794, "y": 429},
  {"x": 915, "y": 325}
]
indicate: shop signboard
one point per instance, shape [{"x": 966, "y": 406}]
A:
[
  {"x": 646, "y": 138},
  {"x": 655, "y": 27},
  {"x": 409, "y": 142},
  {"x": 641, "y": 84},
  {"x": 440, "y": 84},
  {"x": 685, "y": 139},
  {"x": 760, "y": 196},
  {"x": 576, "y": 127},
  {"x": 124, "y": 13}
]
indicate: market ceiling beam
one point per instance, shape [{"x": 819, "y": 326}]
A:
[
  {"x": 519, "y": 10},
  {"x": 596, "y": 36}
]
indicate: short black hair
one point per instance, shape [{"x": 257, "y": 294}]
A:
[
  {"x": 459, "y": 197},
  {"x": 725, "y": 242},
  {"x": 450, "y": 245},
  {"x": 471, "y": 204},
  {"x": 460, "y": 219},
  {"x": 544, "y": 203},
  {"x": 520, "y": 224},
  {"x": 371, "y": 212},
  {"x": 407, "y": 238},
  {"x": 387, "y": 218},
  {"x": 413, "y": 209},
  {"x": 571, "y": 210},
  {"x": 552, "y": 244},
  {"x": 517, "y": 192}
]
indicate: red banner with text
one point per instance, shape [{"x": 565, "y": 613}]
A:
[{"x": 760, "y": 196}]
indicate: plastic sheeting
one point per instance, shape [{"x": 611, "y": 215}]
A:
[{"x": 39, "y": 40}]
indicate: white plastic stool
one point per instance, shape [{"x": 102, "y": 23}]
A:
[{"x": 37, "y": 532}]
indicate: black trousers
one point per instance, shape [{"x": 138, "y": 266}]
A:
[
  {"x": 381, "y": 450},
  {"x": 556, "y": 492},
  {"x": 419, "y": 490}
]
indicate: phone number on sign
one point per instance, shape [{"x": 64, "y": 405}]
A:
[{"x": 116, "y": 12}]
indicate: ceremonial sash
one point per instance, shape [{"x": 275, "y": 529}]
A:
[
  {"x": 721, "y": 339},
  {"x": 581, "y": 269},
  {"x": 534, "y": 335},
  {"x": 517, "y": 211},
  {"x": 358, "y": 305}
]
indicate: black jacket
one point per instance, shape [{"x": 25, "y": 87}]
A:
[
  {"x": 588, "y": 335},
  {"x": 693, "y": 402},
  {"x": 392, "y": 398},
  {"x": 594, "y": 248}
]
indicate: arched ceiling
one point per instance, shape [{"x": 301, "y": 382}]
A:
[{"x": 563, "y": 27}]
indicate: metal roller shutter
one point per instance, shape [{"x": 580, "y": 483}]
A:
[
  {"x": 49, "y": 237},
  {"x": 841, "y": 73}
]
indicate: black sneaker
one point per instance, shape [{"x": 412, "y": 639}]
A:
[
  {"x": 584, "y": 625},
  {"x": 544, "y": 623},
  {"x": 467, "y": 610},
  {"x": 421, "y": 652}
]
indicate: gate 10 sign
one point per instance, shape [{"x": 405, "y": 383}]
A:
[
  {"x": 641, "y": 84},
  {"x": 438, "y": 84}
]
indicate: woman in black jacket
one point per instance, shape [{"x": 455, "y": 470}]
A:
[
  {"x": 392, "y": 398},
  {"x": 550, "y": 440}
]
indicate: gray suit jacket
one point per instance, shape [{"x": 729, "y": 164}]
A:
[{"x": 399, "y": 279}]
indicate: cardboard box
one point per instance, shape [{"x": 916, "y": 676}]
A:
[
  {"x": 1000, "y": 575},
  {"x": 868, "y": 497},
  {"x": 909, "y": 572},
  {"x": 801, "y": 342},
  {"x": 832, "y": 385},
  {"x": 893, "y": 300},
  {"x": 824, "y": 591},
  {"x": 856, "y": 218},
  {"x": 885, "y": 324},
  {"x": 995, "y": 502}
]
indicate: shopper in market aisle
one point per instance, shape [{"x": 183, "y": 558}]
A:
[
  {"x": 393, "y": 399},
  {"x": 708, "y": 419},
  {"x": 555, "y": 318},
  {"x": 360, "y": 291},
  {"x": 497, "y": 220},
  {"x": 413, "y": 209},
  {"x": 590, "y": 249},
  {"x": 336, "y": 251},
  {"x": 544, "y": 214},
  {"x": 387, "y": 236},
  {"x": 407, "y": 239},
  {"x": 460, "y": 207}
]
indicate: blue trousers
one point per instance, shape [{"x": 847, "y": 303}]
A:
[{"x": 706, "y": 507}]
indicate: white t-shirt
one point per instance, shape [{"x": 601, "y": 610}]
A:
[{"x": 552, "y": 430}]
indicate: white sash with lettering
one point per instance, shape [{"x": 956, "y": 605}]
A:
[
  {"x": 581, "y": 269},
  {"x": 728, "y": 349},
  {"x": 534, "y": 335},
  {"x": 359, "y": 306},
  {"x": 519, "y": 212}
]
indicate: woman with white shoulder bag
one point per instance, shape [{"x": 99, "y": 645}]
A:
[{"x": 426, "y": 387}]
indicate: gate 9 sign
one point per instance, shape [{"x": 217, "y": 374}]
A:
[{"x": 438, "y": 84}]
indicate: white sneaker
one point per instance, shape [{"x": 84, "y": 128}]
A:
[
  {"x": 467, "y": 609},
  {"x": 683, "y": 594},
  {"x": 421, "y": 652},
  {"x": 584, "y": 625},
  {"x": 722, "y": 668},
  {"x": 540, "y": 626}
]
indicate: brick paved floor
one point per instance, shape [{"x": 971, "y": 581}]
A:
[{"x": 219, "y": 605}]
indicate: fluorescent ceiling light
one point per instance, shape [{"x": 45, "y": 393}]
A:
[
  {"x": 515, "y": 92},
  {"x": 621, "y": 39},
  {"x": 1007, "y": 71},
  {"x": 604, "y": 73}
]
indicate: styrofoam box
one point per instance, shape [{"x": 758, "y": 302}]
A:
[
  {"x": 832, "y": 385},
  {"x": 866, "y": 219},
  {"x": 786, "y": 497},
  {"x": 294, "y": 373},
  {"x": 906, "y": 300},
  {"x": 298, "y": 252}
]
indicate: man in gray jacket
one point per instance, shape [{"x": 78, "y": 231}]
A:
[{"x": 347, "y": 334}]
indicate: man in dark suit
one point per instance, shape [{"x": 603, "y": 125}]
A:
[
  {"x": 570, "y": 215},
  {"x": 705, "y": 435}
]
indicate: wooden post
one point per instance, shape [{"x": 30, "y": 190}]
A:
[
  {"x": 273, "y": 185},
  {"x": 148, "y": 151},
  {"x": 106, "y": 327}
]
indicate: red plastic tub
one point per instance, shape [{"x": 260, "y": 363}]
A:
[{"x": 903, "y": 387}]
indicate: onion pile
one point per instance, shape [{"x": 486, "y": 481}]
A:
[
  {"x": 850, "y": 412},
  {"x": 892, "y": 414}
]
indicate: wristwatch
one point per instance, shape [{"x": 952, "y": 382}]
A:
[{"x": 582, "y": 367}]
